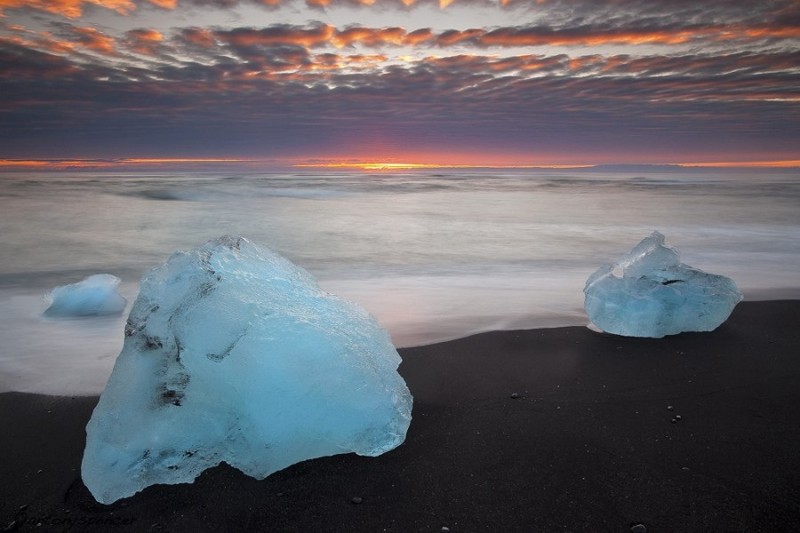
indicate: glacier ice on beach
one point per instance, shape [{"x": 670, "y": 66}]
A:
[
  {"x": 94, "y": 295},
  {"x": 232, "y": 353},
  {"x": 656, "y": 294}
]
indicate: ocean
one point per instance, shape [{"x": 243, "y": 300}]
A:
[{"x": 433, "y": 255}]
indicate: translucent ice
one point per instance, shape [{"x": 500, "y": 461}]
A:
[
  {"x": 234, "y": 354},
  {"x": 95, "y": 295},
  {"x": 657, "y": 295}
]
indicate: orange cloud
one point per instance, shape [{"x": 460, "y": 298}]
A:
[
  {"x": 279, "y": 35},
  {"x": 325, "y": 62},
  {"x": 165, "y": 4},
  {"x": 766, "y": 32},
  {"x": 369, "y": 36},
  {"x": 73, "y": 37},
  {"x": 520, "y": 36},
  {"x": 335, "y": 62},
  {"x": 418, "y": 36},
  {"x": 584, "y": 62},
  {"x": 477, "y": 64},
  {"x": 74, "y": 8},
  {"x": 454, "y": 37},
  {"x": 537, "y": 37},
  {"x": 43, "y": 41},
  {"x": 199, "y": 37},
  {"x": 144, "y": 41},
  {"x": 148, "y": 35},
  {"x": 325, "y": 3},
  {"x": 312, "y": 36},
  {"x": 96, "y": 40},
  {"x": 527, "y": 62},
  {"x": 454, "y": 61},
  {"x": 69, "y": 8}
]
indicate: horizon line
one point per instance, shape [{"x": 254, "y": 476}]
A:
[{"x": 365, "y": 165}]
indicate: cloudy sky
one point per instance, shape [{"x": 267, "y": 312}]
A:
[{"x": 446, "y": 81}]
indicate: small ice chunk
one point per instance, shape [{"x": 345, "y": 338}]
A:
[
  {"x": 95, "y": 295},
  {"x": 232, "y": 353},
  {"x": 656, "y": 294}
]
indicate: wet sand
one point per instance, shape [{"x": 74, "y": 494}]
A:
[{"x": 560, "y": 429}]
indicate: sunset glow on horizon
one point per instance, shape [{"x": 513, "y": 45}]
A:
[
  {"x": 366, "y": 166},
  {"x": 62, "y": 164}
]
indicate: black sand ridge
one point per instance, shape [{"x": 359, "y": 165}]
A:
[{"x": 543, "y": 430}]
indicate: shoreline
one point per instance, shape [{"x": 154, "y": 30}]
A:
[
  {"x": 587, "y": 444},
  {"x": 74, "y": 356}
]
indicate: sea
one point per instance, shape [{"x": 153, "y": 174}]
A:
[{"x": 434, "y": 255}]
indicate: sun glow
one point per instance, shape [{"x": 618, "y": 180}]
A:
[
  {"x": 389, "y": 166},
  {"x": 383, "y": 166},
  {"x": 343, "y": 164}
]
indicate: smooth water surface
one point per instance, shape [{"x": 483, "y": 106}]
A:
[{"x": 433, "y": 256}]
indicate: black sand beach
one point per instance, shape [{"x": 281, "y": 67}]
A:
[{"x": 543, "y": 430}]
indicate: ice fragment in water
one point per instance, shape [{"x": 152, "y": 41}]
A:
[
  {"x": 95, "y": 295},
  {"x": 656, "y": 294},
  {"x": 234, "y": 354}
]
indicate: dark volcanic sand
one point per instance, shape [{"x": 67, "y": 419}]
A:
[{"x": 588, "y": 444}]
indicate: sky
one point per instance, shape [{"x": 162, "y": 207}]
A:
[{"x": 459, "y": 82}]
